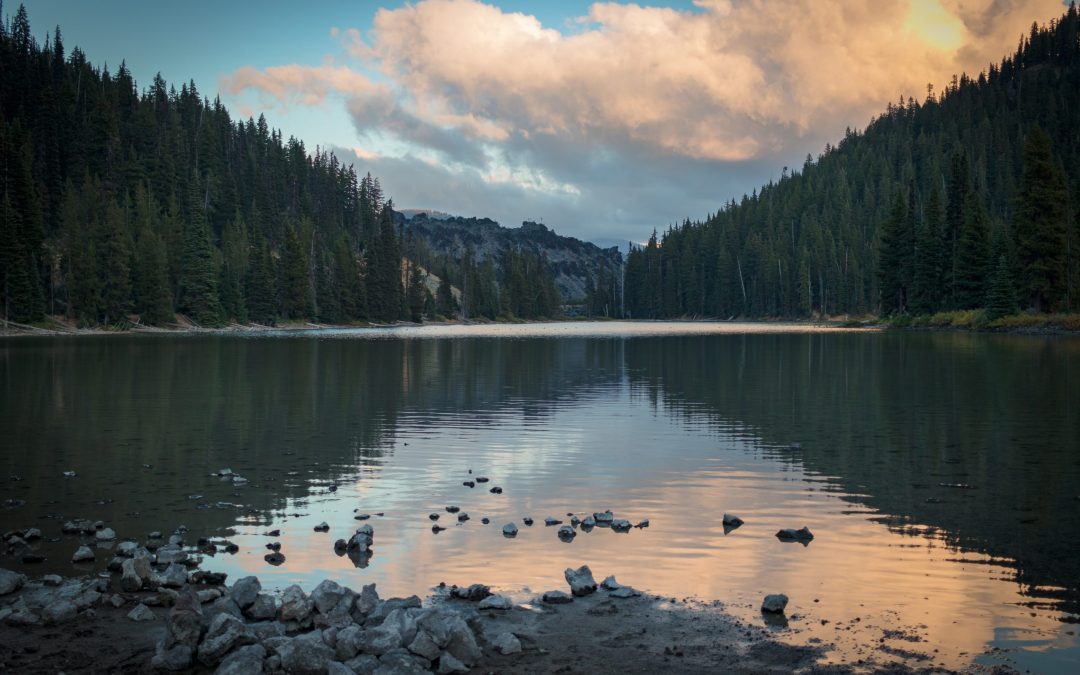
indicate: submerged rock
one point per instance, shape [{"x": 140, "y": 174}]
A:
[
  {"x": 775, "y": 603},
  {"x": 802, "y": 534},
  {"x": 581, "y": 580}
]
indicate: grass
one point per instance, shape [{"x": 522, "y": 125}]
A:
[{"x": 977, "y": 319}]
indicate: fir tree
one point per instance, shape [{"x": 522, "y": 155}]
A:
[
  {"x": 198, "y": 276},
  {"x": 972, "y": 256},
  {"x": 894, "y": 258},
  {"x": 261, "y": 288},
  {"x": 296, "y": 298},
  {"x": 1040, "y": 224},
  {"x": 1001, "y": 291},
  {"x": 114, "y": 249}
]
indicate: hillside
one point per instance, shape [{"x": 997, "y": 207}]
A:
[
  {"x": 571, "y": 261},
  {"x": 964, "y": 200}
]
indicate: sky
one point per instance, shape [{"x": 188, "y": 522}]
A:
[{"x": 601, "y": 120}]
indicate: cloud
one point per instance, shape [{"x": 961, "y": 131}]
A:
[{"x": 634, "y": 100}]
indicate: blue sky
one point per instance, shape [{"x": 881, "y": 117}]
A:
[{"x": 603, "y": 120}]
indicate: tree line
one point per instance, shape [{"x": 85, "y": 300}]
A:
[
  {"x": 118, "y": 204},
  {"x": 966, "y": 200}
]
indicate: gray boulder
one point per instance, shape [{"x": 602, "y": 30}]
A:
[
  {"x": 245, "y": 591},
  {"x": 364, "y": 664},
  {"x": 366, "y": 603},
  {"x": 802, "y": 534},
  {"x": 349, "y": 642},
  {"x": 609, "y": 583},
  {"x": 556, "y": 598},
  {"x": 224, "y": 633},
  {"x": 500, "y": 602},
  {"x": 295, "y": 605},
  {"x": 305, "y": 655},
  {"x": 10, "y": 581},
  {"x": 472, "y": 592},
  {"x": 175, "y": 576},
  {"x": 506, "y": 643},
  {"x": 567, "y": 532},
  {"x": 141, "y": 613},
  {"x": 624, "y": 592},
  {"x": 326, "y": 595},
  {"x": 106, "y": 534},
  {"x": 126, "y": 549},
  {"x": 621, "y": 525},
  {"x": 510, "y": 530},
  {"x": 184, "y": 623},
  {"x": 177, "y": 657},
  {"x": 424, "y": 645},
  {"x": 448, "y": 630},
  {"x": 401, "y": 662},
  {"x": 605, "y": 517},
  {"x": 134, "y": 573},
  {"x": 59, "y": 612},
  {"x": 448, "y": 664},
  {"x": 732, "y": 520},
  {"x": 581, "y": 580},
  {"x": 385, "y": 608},
  {"x": 263, "y": 608},
  {"x": 82, "y": 554},
  {"x": 243, "y": 661},
  {"x": 775, "y": 603}
]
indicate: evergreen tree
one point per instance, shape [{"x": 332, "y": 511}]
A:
[
  {"x": 894, "y": 258},
  {"x": 234, "y": 269},
  {"x": 16, "y": 270},
  {"x": 972, "y": 256},
  {"x": 296, "y": 298},
  {"x": 1040, "y": 225},
  {"x": 114, "y": 249},
  {"x": 1001, "y": 291},
  {"x": 926, "y": 295},
  {"x": 198, "y": 276},
  {"x": 153, "y": 300},
  {"x": 417, "y": 293},
  {"x": 445, "y": 304},
  {"x": 261, "y": 287}
]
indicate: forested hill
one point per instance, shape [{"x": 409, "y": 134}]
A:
[
  {"x": 119, "y": 205},
  {"x": 967, "y": 199}
]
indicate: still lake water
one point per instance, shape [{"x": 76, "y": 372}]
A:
[{"x": 851, "y": 433}]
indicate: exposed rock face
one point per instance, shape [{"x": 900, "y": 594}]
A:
[
  {"x": 570, "y": 259},
  {"x": 581, "y": 580}
]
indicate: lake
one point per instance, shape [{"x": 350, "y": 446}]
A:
[{"x": 939, "y": 472}]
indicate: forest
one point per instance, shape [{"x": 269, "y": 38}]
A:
[
  {"x": 967, "y": 200},
  {"x": 123, "y": 207}
]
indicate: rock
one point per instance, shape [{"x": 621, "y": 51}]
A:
[
  {"x": 624, "y": 592},
  {"x": 380, "y": 640},
  {"x": 549, "y": 521},
  {"x": 581, "y": 580},
  {"x": 295, "y": 605},
  {"x": 326, "y": 595},
  {"x": 433, "y": 516},
  {"x": 31, "y": 534},
  {"x": 126, "y": 549},
  {"x": 77, "y": 526},
  {"x": 117, "y": 601},
  {"x": 567, "y": 532},
  {"x": 305, "y": 655},
  {"x": 243, "y": 661},
  {"x": 453, "y": 509},
  {"x": 473, "y": 592},
  {"x": 774, "y": 604},
  {"x": 643, "y": 524},
  {"x": 609, "y": 583},
  {"x": 528, "y": 521},
  {"x": 341, "y": 546},
  {"x": 364, "y": 664},
  {"x": 264, "y": 630},
  {"x": 19, "y": 614},
  {"x": 448, "y": 664},
  {"x": 245, "y": 591},
  {"x": 322, "y": 527},
  {"x": 141, "y": 613},
  {"x": 620, "y": 525},
  {"x": 183, "y": 626},
  {"x": 401, "y": 662},
  {"x": 154, "y": 535},
  {"x": 366, "y": 603},
  {"x": 208, "y": 595},
  {"x": 59, "y": 612},
  {"x": 482, "y": 479},
  {"x": 177, "y": 657},
  {"x": 556, "y": 598},
  {"x": 349, "y": 641},
  {"x": 448, "y": 630},
  {"x": 171, "y": 554},
  {"x": 224, "y": 633},
  {"x": 510, "y": 530},
  {"x": 588, "y": 523},
  {"x": 462, "y": 517},
  {"x": 106, "y": 534},
  {"x": 423, "y": 645},
  {"x": 485, "y": 520},
  {"x": 506, "y": 643},
  {"x": 264, "y": 607},
  {"x": 48, "y": 580},
  {"x": 275, "y": 558},
  {"x": 175, "y": 576},
  {"x": 221, "y": 606},
  {"x": 732, "y": 520},
  {"x": 495, "y": 490},
  {"x": 362, "y": 516},
  {"x": 496, "y": 602},
  {"x": 803, "y": 534},
  {"x": 437, "y": 529},
  {"x": 134, "y": 572},
  {"x": 69, "y": 474},
  {"x": 83, "y": 554},
  {"x": 605, "y": 517},
  {"x": 10, "y": 581}
]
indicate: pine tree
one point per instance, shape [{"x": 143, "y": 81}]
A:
[
  {"x": 417, "y": 293},
  {"x": 894, "y": 258},
  {"x": 1040, "y": 224},
  {"x": 1001, "y": 293},
  {"x": 114, "y": 249},
  {"x": 261, "y": 288},
  {"x": 926, "y": 284},
  {"x": 296, "y": 298},
  {"x": 972, "y": 256},
  {"x": 16, "y": 270},
  {"x": 445, "y": 304},
  {"x": 198, "y": 276},
  {"x": 234, "y": 269},
  {"x": 153, "y": 300}
]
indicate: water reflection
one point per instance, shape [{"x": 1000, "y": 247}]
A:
[{"x": 850, "y": 434}]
